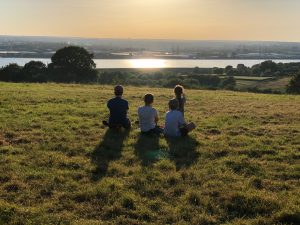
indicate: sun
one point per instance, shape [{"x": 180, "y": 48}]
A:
[{"x": 148, "y": 63}]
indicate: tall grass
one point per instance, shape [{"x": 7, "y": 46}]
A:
[{"x": 59, "y": 165}]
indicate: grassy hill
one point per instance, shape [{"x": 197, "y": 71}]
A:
[{"x": 58, "y": 165}]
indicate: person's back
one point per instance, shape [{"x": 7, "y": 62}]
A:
[
  {"x": 174, "y": 120},
  {"x": 182, "y": 101},
  {"x": 179, "y": 94},
  {"x": 148, "y": 116},
  {"x": 118, "y": 108}
]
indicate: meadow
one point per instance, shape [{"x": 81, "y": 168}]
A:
[
  {"x": 262, "y": 83},
  {"x": 59, "y": 165}
]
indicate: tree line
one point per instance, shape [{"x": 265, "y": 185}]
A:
[
  {"x": 69, "y": 64},
  {"x": 73, "y": 64},
  {"x": 265, "y": 69}
]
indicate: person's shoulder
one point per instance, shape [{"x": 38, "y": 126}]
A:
[
  {"x": 177, "y": 113},
  {"x": 168, "y": 113},
  {"x": 153, "y": 109},
  {"x": 112, "y": 99},
  {"x": 124, "y": 100},
  {"x": 140, "y": 108}
]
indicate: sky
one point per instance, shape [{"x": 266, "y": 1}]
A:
[{"x": 259, "y": 20}]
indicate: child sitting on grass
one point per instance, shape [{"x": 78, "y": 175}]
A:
[
  {"x": 180, "y": 96},
  {"x": 148, "y": 117},
  {"x": 118, "y": 108},
  {"x": 175, "y": 125}
]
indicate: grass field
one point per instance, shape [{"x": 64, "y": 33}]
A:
[
  {"x": 249, "y": 78},
  {"x": 279, "y": 84},
  {"x": 276, "y": 85},
  {"x": 58, "y": 165}
]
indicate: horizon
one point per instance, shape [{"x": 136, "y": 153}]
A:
[
  {"x": 145, "y": 39},
  {"x": 191, "y": 20}
]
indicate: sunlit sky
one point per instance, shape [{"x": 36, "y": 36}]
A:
[{"x": 277, "y": 20}]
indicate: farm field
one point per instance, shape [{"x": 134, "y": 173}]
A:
[
  {"x": 59, "y": 165},
  {"x": 263, "y": 83},
  {"x": 250, "y": 78}
]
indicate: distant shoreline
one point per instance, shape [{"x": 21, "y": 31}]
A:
[
  {"x": 163, "y": 58},
  {"x": 157, "y": 64}
]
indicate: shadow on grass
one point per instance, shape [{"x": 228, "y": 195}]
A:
[
  {"x": 147, "y": 149},
  {"x": 109, "y": 149},
  {"x": 183, "y": 151}
]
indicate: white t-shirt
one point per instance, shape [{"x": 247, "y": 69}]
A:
[
  {"x": 147, "y": 116},
  {"x": 174, "y": 119}
]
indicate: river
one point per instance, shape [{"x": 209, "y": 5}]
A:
[{"x": 154, "y": 63}]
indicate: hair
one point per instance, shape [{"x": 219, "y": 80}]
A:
[
  {"x": 173, "y": 104},
  {"x": 148, "y": 99},
  {"x": 178, "y": 90},
  {"x": 118, "y": 90}
]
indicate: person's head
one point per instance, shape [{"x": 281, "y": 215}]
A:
[
  {"x": 148, "y": 99},
  {"x": 118, "y": 90},
  {"x": 173, "y": 104},
  {"x": 178, "y": 90}
]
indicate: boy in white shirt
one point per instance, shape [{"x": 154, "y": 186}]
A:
[
  {"x": 148, "y": 117},
  {"x": 175, "y": 125}
]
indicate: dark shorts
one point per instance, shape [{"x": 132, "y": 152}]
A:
[
  {"x": 155, "y": 130},
  {"x": 125, "y": 124},
  {"x": 183, "y": 131}
]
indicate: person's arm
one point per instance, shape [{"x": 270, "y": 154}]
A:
[
  {"x": 139, "y": 113},
  {"x": 156, "y": 117},
  {"x": 183, "y": 98},
  {"x": 181, "y": 120}
]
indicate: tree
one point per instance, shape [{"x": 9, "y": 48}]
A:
[
  {"x": 217, "y": 70},
  {"x": 35, "y": 71},
  {"x": 229, "y": 70},
  {"x": 294, "y": 85},
  {"x": 243, "y": 70},
  {"x": 73, "y": 64},
  {"x": 268, "y": 67},
  {"x": 229, "y": 83},
  {"x": 11, "y": 72}
]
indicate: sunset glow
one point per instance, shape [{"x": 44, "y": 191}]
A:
[
  {"x": 148, "y": 63},
  {"x": 155, "y": 19}
]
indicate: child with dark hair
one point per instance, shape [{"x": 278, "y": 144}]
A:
[
  {"x": 118, "y": 108},
  {"x": 175, "y": 125},
  {"x": 148, "y": 117},
  {"x": 179, "y": 95}
]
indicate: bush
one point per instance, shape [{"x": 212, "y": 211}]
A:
[
  {"x": 294, "y": 85},
  {"x": 35, "y": 71},
  {"x": 207, "y": 80},
  {"x": 229, "y": 83},
  {"x": 11, "y": 73}
]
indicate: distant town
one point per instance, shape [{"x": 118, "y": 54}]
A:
[{"x": 45, "y": 47}]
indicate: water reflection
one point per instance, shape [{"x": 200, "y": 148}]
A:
[
  {"x": 155, "y": 63},
  {"x": 148, "y": 63}
]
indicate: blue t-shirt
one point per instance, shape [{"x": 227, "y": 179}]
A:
[
  {"x": 118, "y": 108},
  {"x": 174, "y": 119}
]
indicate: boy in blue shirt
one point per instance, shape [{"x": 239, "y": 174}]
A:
[{"x": 175, "y": 125}]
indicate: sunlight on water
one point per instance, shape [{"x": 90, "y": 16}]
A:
[{"x": 148, "y": 63}]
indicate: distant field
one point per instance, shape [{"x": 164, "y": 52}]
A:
[
  {"x": 250, "y": 78},
  {"x": 279, "y": 84},
  {"x": 58, "y": 165},
  {"x": 263, "y": 84}
]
